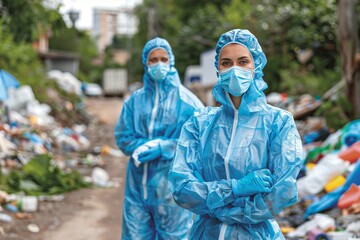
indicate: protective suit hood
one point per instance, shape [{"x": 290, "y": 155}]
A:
[
  {"x": 254, "y": 99},
  {"x": 172, "y": 79}
]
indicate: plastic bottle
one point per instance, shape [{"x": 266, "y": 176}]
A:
[
  {"x": 331, "y": 199},
  {"x": 12, "y": 208},
  {"x": 28, "y": 203},
  {"x": 327, "y": 168},
  {"x": 113, "y": 152}
]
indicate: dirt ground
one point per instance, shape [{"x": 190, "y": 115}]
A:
[{"x": 91, "y": 214}]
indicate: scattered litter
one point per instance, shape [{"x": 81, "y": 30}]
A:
[
  {"x": 5, "y": 218},
  {"x": 52, "y": 198},
  {"x": 100, "y": 177},
  {"x": 113, "y": 152},
  {"x": 21, "y": 215},
  {"x": 2, "y": 231},
  {"x": 28, "y": 203},
  {"x": 33, "y": 228}
]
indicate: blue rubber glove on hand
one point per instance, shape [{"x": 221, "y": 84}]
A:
[
  {"x": 259, "y": 181},
  {"x": 151, "y": 154}
]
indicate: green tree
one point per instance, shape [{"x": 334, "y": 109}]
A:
[
  {"x": 22, "y": 61},
  {"x": 80, "y": 42},
  {"x": 200, "y": 33},
  {"x": 190, "y": 31},
  {"x": 65, "y": 40},
  {"x": 27, "y": 19},
  {"x": 285, "y": 28},
  {"x": 119, "y": 42}
]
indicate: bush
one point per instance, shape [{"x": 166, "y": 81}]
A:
[{"x": 21, "y": 60}]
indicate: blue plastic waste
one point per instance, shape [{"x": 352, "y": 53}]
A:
[
  {"x": 319, "y": 135},
  {"x": 331, "y": 199},
  {"x": 6, "y": 81},
  {"x": 351, "y": 133},
  {"x": 310, "y": 137},
  {"x": 33, "y": 137}
]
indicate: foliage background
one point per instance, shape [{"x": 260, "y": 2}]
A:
[{"x": 284, "y": 28}]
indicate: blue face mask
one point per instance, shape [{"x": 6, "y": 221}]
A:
[
  {"x": 236, "y": 80},
  {"x": 158, "y": 71}
]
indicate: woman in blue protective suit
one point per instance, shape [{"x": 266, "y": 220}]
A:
[
  {"x": 236, "y": 165},
  {"x": 147, "y": 130}
]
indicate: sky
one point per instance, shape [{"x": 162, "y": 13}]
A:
[{"x": 85, "y": 8}]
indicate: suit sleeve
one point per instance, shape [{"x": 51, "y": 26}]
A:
[
  {"x": 217, "y": 199},
  {"x": 126, "y": 138}
]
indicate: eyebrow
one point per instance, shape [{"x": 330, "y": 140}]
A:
[
  {"x": 154, "y": 58},
  {"x": 243, "y": 57}
]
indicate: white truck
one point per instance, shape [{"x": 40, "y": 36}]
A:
[{"x": 115, "y": 82}]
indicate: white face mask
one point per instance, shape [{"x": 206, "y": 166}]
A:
[
  {"x": 158, "y": 71},
  {"x": 236, "y": 80}
]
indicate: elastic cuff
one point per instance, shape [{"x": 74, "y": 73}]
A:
[{"x": 168, "y": 148}]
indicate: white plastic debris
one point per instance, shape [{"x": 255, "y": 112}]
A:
[
  {"x": 5, "y": 218},
  {"x": 19, "y": 97},
  {"x": 100, "y": 177},
  {"x": 327, "y": 168},
  {"x": 321, "y": 221},
  {"x": 33, "y": 228}
]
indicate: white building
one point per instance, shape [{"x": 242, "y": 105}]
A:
[{"x": 110, "y": 22}]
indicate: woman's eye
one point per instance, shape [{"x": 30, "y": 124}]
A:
[
  {"x": 153, "y": 60},
  {"x": 225, "y": 64}
]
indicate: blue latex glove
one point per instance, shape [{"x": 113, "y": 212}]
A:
[
  {"x": 151, "y": 154},
  {"x": 259, "y": 181}
]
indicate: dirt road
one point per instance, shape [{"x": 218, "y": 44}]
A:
[
  {"x": 99, "y": 211},
  {"x": 87, "y": 214}
]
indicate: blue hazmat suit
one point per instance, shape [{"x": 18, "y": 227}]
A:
[
  {"x": 154, "y": 113},
  {"x": 222, "y": 144}
]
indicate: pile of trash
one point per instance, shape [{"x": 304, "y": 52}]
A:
[
  {"x": 328, "y": 184},
  {"x": 41, "y": 158},
  {"x": 66, "y": 81},
  {"x": 298, "y": 106}
]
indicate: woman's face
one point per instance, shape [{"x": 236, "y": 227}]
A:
[
  {"x": 235, "y": 55},
  {"x": 158, "y": 55}
]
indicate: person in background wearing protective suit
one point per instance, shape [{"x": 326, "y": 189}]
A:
[
  {"x": 147, "y": 130},
  {"x": 236, "y": 165}
]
